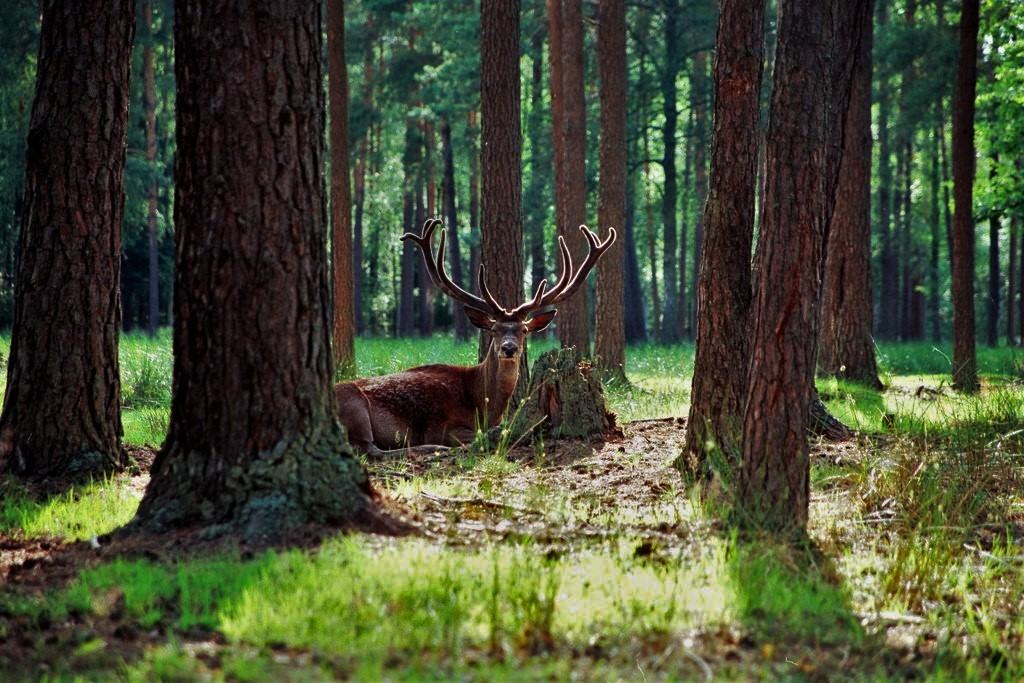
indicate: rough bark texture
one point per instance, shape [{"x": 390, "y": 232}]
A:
[
  {"x": 565, "y": 399},
  {"x": 149, "y": 99},
  {"x": 344, "y": 323},
  {"x": 812, "y": 76},
  {"x": 670, "y": 68},
  {"x": 62, "y": 407},
  {"x": 254, "y": 446},
  {"x": 448, "y": 190},
  {"x": 965, "y": 370},
  {"x": 723, "y": 301},
  {"x": 570, "y": 174},
  {"x": 501, "y": 152},
  {"x": 846, "y": 348},
  {"x": 610, "y": 333}
]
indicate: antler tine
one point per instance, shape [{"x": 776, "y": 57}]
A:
[
  {"x": 435, "y": 266},
  {"x": 533, "y": 303},
  {"x": 564, "y": 273},
  {"x": 486, "y": 294},
  {"x": 569, "y": 282}
]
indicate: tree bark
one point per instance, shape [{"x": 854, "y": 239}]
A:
[
  {"x": 406, "y": 303},
  {"x": 427, "y": 208},
  {"x": 846, "y": 348},
  {"x": 254, "y": 446},
  {"x": 723, "y": 301},
  {"x": 670, "y": 69},
  {"x": 536, "y": 199},
  {"x": 149, "y": 98},
  {"x": 888, "y": 294},
  {"x": 965, "y": 372},
  {"x": 636, "y": 326},
  {"x": 474, "y": 195},
  {"x": 994, "y": 281},
  {"x": 812, "y": 78},
  {"x": 501, "y": 153},
  {"x": 62, "y": 407},
  {"x": 566, "y": 29},
  {"x": 1011, "y": 284},
  {"x": 448, "y": 190},
  {"x": 344, "y": 312},
  {"x": 609, "y": 313}
]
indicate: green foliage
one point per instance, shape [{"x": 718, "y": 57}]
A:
[{"x": 91, "y": 510}]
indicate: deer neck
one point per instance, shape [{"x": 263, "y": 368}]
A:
[{"x": 495, "y": 380}]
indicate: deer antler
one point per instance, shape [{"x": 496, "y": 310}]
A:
[
  {"x": 569, "y": 278},
  {"x": 438, "y": 275}
]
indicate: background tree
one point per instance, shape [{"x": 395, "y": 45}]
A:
[
  {"x": 342, "y": 266},
  {"x": 965, "y": 372},
  {"x": 805, "y": 137},
  {"x": 254, "y": 445},
  {"x": 723, "y": 300},
  {"x": 152, "y": 226},
  {"x": 610, "y": 333},
  {"x": 670, "y": 113},
  {"x": 62, "y": 407},
  {"x": 846, "y": 347}
]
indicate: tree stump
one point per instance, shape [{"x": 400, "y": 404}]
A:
[{"x": 565, "y": 399}]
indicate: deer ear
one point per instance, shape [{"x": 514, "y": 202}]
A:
[
  {"x": 479, "y": 319},
  {"x": 540, "y": 321}
]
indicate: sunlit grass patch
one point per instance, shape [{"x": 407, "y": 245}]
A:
[{"x": 91, "y": 510}]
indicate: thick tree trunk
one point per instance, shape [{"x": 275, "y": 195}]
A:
[
  {"x": 670, "y": 68},
  {"x": 570, "y": 174},
  {"x": 254, "y": 446},
  {"x": 610, "y": 332},
  {"x": 344, "y": 313},
  {"x": 149, "y": 97},
  {"x": 62, "y": 408},
  {"x": 723, "y": 301},
  {"x": 501, "y": 153},
  {"x": 812, "y": 78},
  {"x": 448, "y": 190},
  {"x": 846, "y": 348},
  {"x": 965, "y": 371}
]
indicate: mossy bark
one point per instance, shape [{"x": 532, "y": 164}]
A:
[{"x": 565, "y": 399}]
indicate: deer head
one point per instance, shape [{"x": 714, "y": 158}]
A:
[{"x": 509, "y": 327}]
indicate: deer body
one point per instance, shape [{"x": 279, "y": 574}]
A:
[{"x": 436, "y": 406}]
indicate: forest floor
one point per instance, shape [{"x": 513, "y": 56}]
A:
[{"x": 562, "y": 560}]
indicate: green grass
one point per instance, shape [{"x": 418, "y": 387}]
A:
[{"x": 921, "y": 520}]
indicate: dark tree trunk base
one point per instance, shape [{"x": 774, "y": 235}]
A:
[
  {"x": 301, "y": 481},
  {"x": 565, "y": 399}
]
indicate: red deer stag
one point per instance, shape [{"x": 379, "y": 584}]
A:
[{"x": 442, "y": 404}]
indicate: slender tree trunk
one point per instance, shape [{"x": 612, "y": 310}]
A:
[
  {"x": 1011, "y": 284},
  {"x": 813, "y": 74},
  {"x": 888, "y": 295},
  {"x": 448, "y": 185},
  {"x": 699, "y": 86},
  {"x": 254, "y": 446},
  {"x": 474, "y": 195},
  {"x": 907, "y": 262},
  {"x": 846, "y": 348},
  {"x": 344, "y": 312},
  {"x": 723, "y": 300},
  {"x": 501, "y": 153},
  {"x": 965, "y": 372},
  {"x": 422, "y": 302},
  {"x": 62, "y": 408},
  {"x": 536, "y": 199},
  {"x": 429, "y": 206},
  {"x": 670, "y": 68},
  {"x": 359, "y": 181},
  {"x": 406, "y": 307},
  {"x": 569, "y": 118},
  {"x": 636, "y": 326},
  {"x": 994, "y": 281},
  {"x": 610, "y": 334},
  {"x": 682, "y": 296},
  {"x": 149, "y": 97},
  {"x": 933, "y": 261}
]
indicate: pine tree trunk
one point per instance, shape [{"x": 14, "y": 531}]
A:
[
  {"x": 994, "y": 281},
  {"x": 570, "y": 174},
  {"x": 254, "y": 446},
  {"x": 149, "y": 98},
  {"x": 429, "y": 206},
  {"x": 723, "y": 301},
  {"x": 670, "y": 68},
  {"x": 62, "y": 407},
  {"x": 810, "y": 96},
  {"x": 344, "y": 313},
  {"x": 888, "y": 295},
  {"x": 699, "y": 85},
  {"x": 610, "y": 333},
  {"x": 406, "y": 303},
  {"x": 636, "y": 326},
  {"x": 537, "y": 199},
  {"x": 1011, "y": 284},
  {"x": 933, "y": 261},
  {"x": 846, "y": 348},
  {"x": 965, "y": 372},
  {"x": 474, "y": 195}
]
